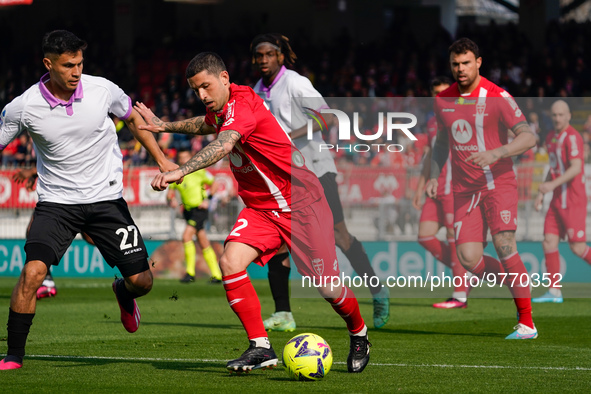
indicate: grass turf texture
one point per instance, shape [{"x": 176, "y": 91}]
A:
[{"x": 77, "y": 344}]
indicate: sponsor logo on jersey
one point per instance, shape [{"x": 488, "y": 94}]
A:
[
  {"x": 461, "y": 131},
  {"x": 318, "y": 265},
  {"x": 2, "y": 117},
  {"x": 580, "y": 234},
  {"x": 230, "y": 109},
  {"x": 466, "y": 148},
  {"x": 463, "y": 101},
  {"x": 236, "y": 159},
  {"x": 571, "y": 233},
  {"x": 574, "y": 148},
  {"x": 553, "y": 160},
  {"x": 335, "y": 265},
  {"x": 506, "y": 216},
  {"x": 448, "y": 110},
  {"x": 517, "y": 113}
]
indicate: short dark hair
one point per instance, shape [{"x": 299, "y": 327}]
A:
[
  {"x": 208, "y": 61},
  {"x": 62, "y": 41},
  {"x": 464, "y": 45},
  {"x": 441, "y": 80},
  {"x": 280, "y": 41}
]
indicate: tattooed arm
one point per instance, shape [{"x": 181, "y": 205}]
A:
[
  {"x": 524, "y": 140},
  {"x": 209, "y": 155},
  {"x": 154, "y": 124}
]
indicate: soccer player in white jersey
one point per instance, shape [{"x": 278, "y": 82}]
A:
[
  {"x": 568, "y": 209},
  {"x": 80, "y": 173},
  {"x": 271, "y": 53},
  {"x": 473, "y": 116}
]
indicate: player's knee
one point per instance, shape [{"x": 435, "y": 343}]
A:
[
  {"x": 33, "y": 273},
  {"x": 548, "y": 245},
  {"x": 142, "y": 282},
  {"x": 329, "y": 294},
  {"x": 578, "y": 248},
  {"x": 468, "y": 258},
  {"x": 226, "y": 265}
]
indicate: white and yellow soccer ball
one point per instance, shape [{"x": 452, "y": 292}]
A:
[{"x": 307, "y": 357}]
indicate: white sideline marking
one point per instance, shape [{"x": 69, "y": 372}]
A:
[{"x": 201, "y": 360}]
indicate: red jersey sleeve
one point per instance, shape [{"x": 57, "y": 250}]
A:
[
  {"x": 509, "y": 111},
  {"x": 239, "y": 117},
  {"x": 210, "y": 119},
  {"x": 574, "y": 146}
]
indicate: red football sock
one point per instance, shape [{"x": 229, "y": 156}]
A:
[
  {"x": 348, "y": 308},
  {"x": 521, "y": 294},
  {"x": 438, "y": 249},
  {"x": 486, "y": 266},
  {"x": 245, "y": 303},
  {"x": 587, "y": 255},
  {"x": 553, "y": 266},
  {"x": 457, "y": 269}
]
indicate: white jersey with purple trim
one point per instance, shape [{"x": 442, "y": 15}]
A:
[
  {"x": 289, "y": 85},
  {"x": 78, "y": 155}
]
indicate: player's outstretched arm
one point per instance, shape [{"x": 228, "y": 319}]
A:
[
  {"x": 134, "y": 122},
  {"x": 154, "y": 124},
  {"x": 209, "y": 155}
]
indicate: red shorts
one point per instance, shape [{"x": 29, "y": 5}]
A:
[
  {"x": 476, "y": 213},
  {"x": 440, "y": 210},
  {"x": 569, "y": 222},
  {"x": 308, "y": 233}
]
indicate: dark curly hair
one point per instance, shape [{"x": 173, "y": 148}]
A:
[{"x": 280, "y": 41}]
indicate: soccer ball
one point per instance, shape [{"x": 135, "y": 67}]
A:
[{"x": 307, "y": 357}]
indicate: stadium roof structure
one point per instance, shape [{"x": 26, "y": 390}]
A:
[
  {"x": 486, "y": 10},
  {"x": 504, "y": 11}
]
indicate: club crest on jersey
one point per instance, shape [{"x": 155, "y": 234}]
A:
[
  {"x": 318, "y": 265},
  {"x": 297, "y": 159},
  {"x": 480, "y": 108},
  {"x": 506, "y": 216},
  {"x": 461, "y": 131}
]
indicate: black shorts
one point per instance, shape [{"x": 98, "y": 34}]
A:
[
  {"x": 331, "y": 191},
  {"x": 196, "y": 217},
  {"x": 108, "y": 223}
]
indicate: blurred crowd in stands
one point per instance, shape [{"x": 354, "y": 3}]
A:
[{"x": 395, "y": 67}]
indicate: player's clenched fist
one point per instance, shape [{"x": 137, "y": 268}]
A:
[
  {"x": 431, "y": 188},
  {"x": 161, "y": 181}
]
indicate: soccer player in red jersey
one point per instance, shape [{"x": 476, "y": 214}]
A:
[
  {"x": 568, "y": 208},
  {"x": 284, "y": 204},
  {"x": 436, "y": 213},
  {"x": 473, "y": 117}
]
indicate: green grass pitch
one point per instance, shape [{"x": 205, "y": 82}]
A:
[{"x": 188, "y": 332}]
